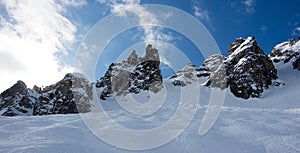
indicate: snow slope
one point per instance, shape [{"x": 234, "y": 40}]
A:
[
  {"x": 237, "y": 130},
  {"x": 269, "y": 124}
]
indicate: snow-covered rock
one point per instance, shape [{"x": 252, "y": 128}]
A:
[
  {"x": 70, "y": 95},
  {"x": 18, "y": 100},
  {"x": 287, "y": 52},
  {"x": 187, "y": 75},
  {"x": 191, "y": 73},
  {"x": 132, "y": 75},
  {"x": 249, "y": 70}
]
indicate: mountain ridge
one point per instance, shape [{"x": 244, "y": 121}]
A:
[
  {"x": 70, "y": 95},
  {"x": 247, "y": 72}
]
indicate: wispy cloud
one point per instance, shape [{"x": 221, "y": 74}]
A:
[
  {"x": 199, "y": 12},
  {"x": 249, "y": 6},
  {"x": 151, "y": 34},
  {"x": 245, "y": 7},
  {"x": 296, "y": 31},
  {"x": 117, "y": 5},
  {"x": 31, "y": 33},
  {"x": 294, "y": 24},
  {"x": 263, "y": 29},
  {"x": 73, "y": 3}
]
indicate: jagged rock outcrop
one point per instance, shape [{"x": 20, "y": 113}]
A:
[
  {"x": 248, "y": 68},
  {"x": 186, "y": 76},
  {"x": 17, "y": 100},
  {"x": 70, "y": 95},
  {"x": 190, "y": 72},
  {"x": 105, "y": 82},
  {"x": 247, "y": 71},
  {"x": 132, "y": 75},
  {"x": 287, "y": 52},
  {"x": 214, "y": 68}
]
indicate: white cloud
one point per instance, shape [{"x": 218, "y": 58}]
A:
[
  {"x": 296, "y": 31},
  {"x": 117, "y": 5},
  {"x": 73, "y": 3},
  {"x": 199, "y": 12},
  {"x": 244, "y": 7},
  {"x": 263, "y": 29},
  {"x": 30, "y": 34},
  {"x": 249, "y": 6},
  {"x": 295, "y": 25},
  {"x": 151, "y": 34}
]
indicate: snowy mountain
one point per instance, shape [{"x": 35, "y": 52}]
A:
[
  {"x": 132, "y": 75},
  {"x": 70, "y": 95},
  {"x": 268, "y": 124},
  {"x": 247, "y": 71},
  {"x": 287, "y": 52},
  {"x": 187, "y": 75},
  {"x": 18, "y": 100}
]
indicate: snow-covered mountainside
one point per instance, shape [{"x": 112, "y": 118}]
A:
[
  {"x": 132, "y": 75},
  {"x": 70, "y": 95},
  {"x": 268, "y": 124},
  {"x": 287, "y": 52},
  {"x": 186, "y": 76},
  {"x": 247, "y": 71},
  {"x": 190, "y": 73}
]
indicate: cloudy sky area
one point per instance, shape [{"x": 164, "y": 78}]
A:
[{"x": 39, "y": 39}]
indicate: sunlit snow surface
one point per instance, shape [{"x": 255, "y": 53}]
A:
[{"x": 270, "y": 124}]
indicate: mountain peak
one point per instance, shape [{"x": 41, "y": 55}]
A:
[
  {"x": 132, "y": 75},
  {"x": 287, "y": 52},
  {"x": 151, "y": 54},
  {"x": 70, "y": 95},
  {"x": 247, "y": 71},
  {"x": 244, "y": 45},
  {"x": 18, "y": 88},
  {"x": 132, "y": 58}
]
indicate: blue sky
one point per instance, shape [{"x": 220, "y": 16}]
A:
[
  {"x": 40, "y": 39},
  {"x": 270, "y": 22}
]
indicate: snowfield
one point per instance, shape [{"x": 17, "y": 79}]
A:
[
  {"x": 270, "y": 124},
  {"x": 238, "y": 130}
]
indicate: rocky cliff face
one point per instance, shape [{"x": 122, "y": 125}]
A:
[
  {"x": 18, "y": 100},
  {"x": 287, "y": 52},
  {"x": 70, "y": 95},
  {"x": 132, "y": 75},
  {"x": 247, "y": 71},
  {"x": 248, "y": 68}
]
